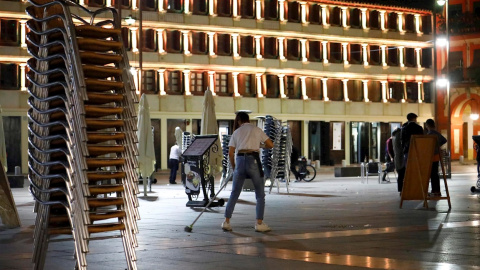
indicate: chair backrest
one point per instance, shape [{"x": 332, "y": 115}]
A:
[{"x": 373, "y": 167}]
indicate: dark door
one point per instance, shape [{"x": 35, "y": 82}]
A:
[
  {"x": 465, "y": 140},
  {"x": 325, "y": 144},
  {"x": 13, "y": 138}
]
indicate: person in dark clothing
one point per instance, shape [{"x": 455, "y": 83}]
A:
[
  {"x": 476, "y": 147},
  {"x": 434, "y": 178},
  {"x": 389, "y": 156},
  {"x": 293, "y": 162},
  {"x": 410, "y": 128}
]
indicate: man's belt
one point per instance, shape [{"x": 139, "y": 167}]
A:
[{"x": 248, "y": 154}]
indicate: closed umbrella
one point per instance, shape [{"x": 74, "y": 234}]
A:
[
  {"x": 146, "y": 151},
  {"x": 210, "y": 126},
  {"x": 179, "y": 137},
  {"x": 3, "y": 149}
]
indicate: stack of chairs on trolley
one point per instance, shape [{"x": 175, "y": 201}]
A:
[{"x": 82, "y": 122}]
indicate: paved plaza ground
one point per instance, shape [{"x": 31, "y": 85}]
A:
[{"x": 330, "y": 223}]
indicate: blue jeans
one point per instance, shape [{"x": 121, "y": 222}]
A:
[{"x": 246, "y": 166}]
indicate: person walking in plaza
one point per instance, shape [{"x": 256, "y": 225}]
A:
[
  {"x": 398, "y": 157},
  {"x": 244, "y": 158},
  {"x": 175, "y": 154},
  {"x": 389, "y": 156},
  {"x": 434, "y": 178},
  {"x": 410, "y": 128},
  {"x": 476, "y": 147}
]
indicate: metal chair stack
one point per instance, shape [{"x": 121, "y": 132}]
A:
[
  {"x": 225, "y": 160},
  {"x": 280, "y": 154},
  {"x": 82, "y": 142},
  {"x": 186, "y": 140}
]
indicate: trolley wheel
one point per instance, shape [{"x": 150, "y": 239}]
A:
[
  {"x": 473, "y": 189},
  {"x": 221, "y": 202},
  {"x": 310, "y": 173}
]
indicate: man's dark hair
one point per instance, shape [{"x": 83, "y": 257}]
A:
[
  {"x": 411, "y": 116},
  {"x": 241, "y": 117},
  {"x": 430, "y": 123}
]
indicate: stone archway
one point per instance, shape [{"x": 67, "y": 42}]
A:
[{"x": 462, "y": 126}]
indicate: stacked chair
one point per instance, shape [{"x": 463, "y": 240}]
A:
[
  {"x": 186, "y": 141},
  {"x": 225, "y": 160},
  {"x": 82, "y": 123}
]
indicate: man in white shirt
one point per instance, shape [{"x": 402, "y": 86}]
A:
[
  {"x": 175, "y": 154},
  {"x": 244, "y": 158}
]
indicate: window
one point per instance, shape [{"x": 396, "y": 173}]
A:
[
  {"x": 200, "y": 7},
  {"x": 356, "y": 54},
  {"x": 224, "y": 8},
  {"x": 427, "y": 24},
  {"x": 355, "y": 90},
  {"x": 273, "y": 90},
  {"x": 199, "y": 43},
  {"x": 427, "y": 56},
  {"x": 455, "y": 64},
  {"x": 174, "y": 82},
  {"x": 374, "y": 20},
  {"x": 197, "y": 83},
  {"x": 247, "y": 9},
  {"x": 247, "y": 46},
  {"x": 126, "y": 37},
  {"x": 290, "y": 87},
  {"x": 149, "y": 82},
  {"x": 392, "y": 21},
  {"x": 355, "y": 16},
  {"x": 248, "y": 85},
  {"x": 224, "y": 46},
  {"x": 293, "y": 49},
  {"x": 375, "y": 54},
  {"x": 315, "y": 14},
  {"x": 476, "y": 8},
  {"x": 427, "y": 92},
  {"x": 314, "y": 88},
  {"x": 314, "y": 51},
  {"x": 374, "y": 91},
  {"x": 335, "y": 53},
  {"x": 335, "y": 16},
  {"x": 149, "y": 5},
  {"x": 412, "y": 92},
  {"x": 392, "y": 54},
  {"x": 174, "y": 6},
  {"x": 174, "y": 41},
  {"x": 95, "y": 3},
  {"x": 410, "y": 23},
  {"x": 293, "y": 12},
  {"x": 335, "y": 90},
  {"x": 9, "y": 32},
  {"x": 270, "y": 47},
  {"x": 124, "y": 3},
  {"x": 271, "y": 10},
  {"x": 395, "y": 91},
  {"x": 9, "y": 76},
  {"x": 149, "y": 40},
  {"x": 221, "y": 83},
  {"x": 410, "y": 59},
  {"x": 454, "y": 11}
]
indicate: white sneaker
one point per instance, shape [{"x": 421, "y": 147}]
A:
[
  {"x": 226, "y": 226},
  {"x": 262, "y": 227}
]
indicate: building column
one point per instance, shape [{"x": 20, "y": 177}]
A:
[
  {"x": 134, "y": 39},
  {"x": 417, "y": 24},
  {"x": 345, "y": 90},
  {"x": 160, "y": 41},
  {"x": 186, "y": 44},
  {"x": 346, "y": 140},
  {"x": 235, "y": 45},
  {"x": 134, "y": 5},
  {"x": 186, "y": 79},
  {"x": 134, "y": 72},
  {"x": 381, "y": 13},
  {"x": 400, "y": 22},
  {"x": 281, "y": 50},
  {"x": 384, "y": 55},
  {"x": 258, "y": 77},
  {"x": 419, "y": 57},
  {"x": 405, "y": 97},
  {"x": 324, "y": 88},
  {"x": 161, "y": 82},
  {"x": 186, "y": 6},
  {"x": 211, "y": 43},
  {"x": 364, "y": 18},
  {"x": 81, "y": 2},
  {"x": 325, "y": 52},
  {"x": 303, "y": 12},
  {"x": 401, "y": 56},
  {"x": 303, "y": 86},
  {"x": 365, "y": 91},
  {"x": 23, "y": 31},
  {"x": 281, "y": 84},
  {"x": 384, "y": 91},
  {"x": 324, "y": 15},
  {"x": 211, "y": 11},
  {"x": 235, "y": 8},
  {"x": 365, "y": 54},
  {"x": 344, "y": 16},
  {"x": 160, "y": 6},
  {"x": 108, "y": 3},
  {"x": 420, "y": 92},
  {"x": 281, "y": 10},
  {"x": 211, "y": 82},
  {"x": 22, "y": 77},
  {"x": 303, "y": 42},
  {"x": 258, "y": 47},
  {"x": 258, "y": 9},
  {"x": 345, "y": 53},
  {"x": 235, "y": 84}
]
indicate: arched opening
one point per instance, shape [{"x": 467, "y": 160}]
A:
[{"x": 463, "y": 126}]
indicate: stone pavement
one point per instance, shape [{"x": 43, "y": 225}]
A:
[{"x": 330, "y": 223}]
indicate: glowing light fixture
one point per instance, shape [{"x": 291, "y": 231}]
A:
[
  {"x": 441, "y": 2},
  {"x": 442, "y": 42},
  {"x": 442, "y": 82},
  {"x": 130, "y": 20},
  {"x": 474, "y": 116}
]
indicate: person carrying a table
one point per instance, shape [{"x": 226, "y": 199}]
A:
[
  {"x": 244, "y": 147},
  {"x": 434, "y": 178}
]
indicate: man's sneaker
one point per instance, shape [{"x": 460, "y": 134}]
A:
[
  {"x": 262, "y": 227},
  {"x": 434, "y": 194},
  {"x": 226, "y": 226}
]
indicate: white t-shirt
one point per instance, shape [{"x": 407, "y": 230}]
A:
[
  {"x": 247, "y": 137},
  {"x": 175, "y": 152}
]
